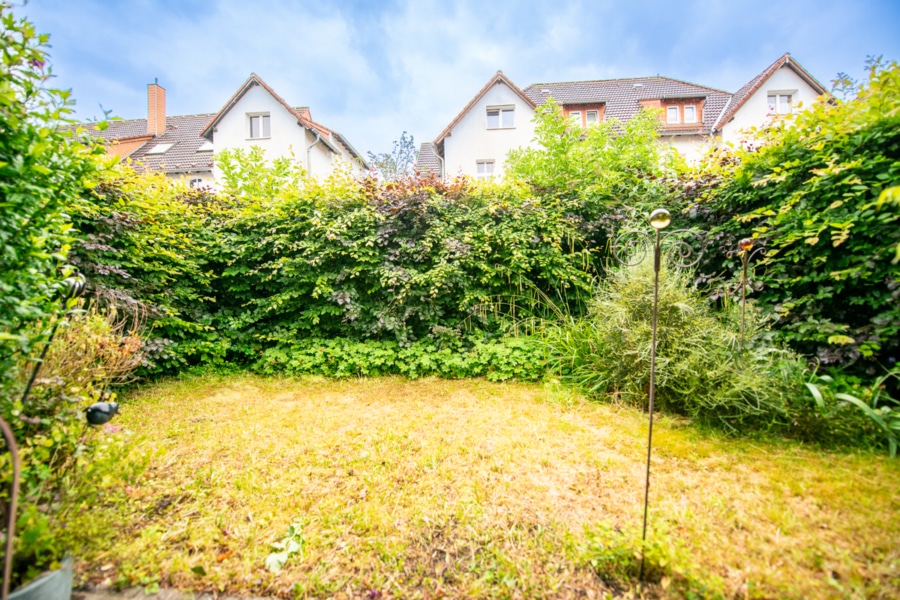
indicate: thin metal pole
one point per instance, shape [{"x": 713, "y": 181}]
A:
[
  {"x": 13, "y": 499},
  {"x": 744, "y": 259},
  {"x": 656, "y": 261},
  {"x": 37, "y": 367}
]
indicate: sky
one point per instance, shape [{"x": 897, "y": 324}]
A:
[{"x": 372, "y": 69}]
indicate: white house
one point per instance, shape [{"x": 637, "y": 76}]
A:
[
  {"x": 257, "y": 116},
  {"x": 779, "y": 90},
  {"x": 183, "y": 146},
  {"x": 475, "y": 143},
  {"x": 497, "y": 119}
]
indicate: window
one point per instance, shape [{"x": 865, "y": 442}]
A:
[
  {"x": 259, "y": 126},
  {"x": 160, "y": 148},
  {"x": 575, "y": 117},
  {"x": 205, "y": 147},
  {"x": 196, "y": 183},
  {"x": 501, "y": 117},
  {"x": 592, "y": 117},
  {"x": 672, "y": 115},
  {"x": 690, "y": 114},
  {"x": 779, "y": 104},
  {"x": 485, "y": 168}
]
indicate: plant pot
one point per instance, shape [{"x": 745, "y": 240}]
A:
[{"x": 52, "y": 585}]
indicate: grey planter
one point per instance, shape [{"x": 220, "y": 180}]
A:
[{"x": 55, "y": 585}]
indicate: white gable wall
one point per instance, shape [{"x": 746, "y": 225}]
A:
[
  {"x": 470, "y": 140},
  {"x": 755, "y": 111},
  {"x": 288, "y": 138}
]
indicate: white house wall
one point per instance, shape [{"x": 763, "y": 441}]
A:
[
  {"x": 288, "y": 138},
  {"x": 470, "y": 140},
  {"x": 755, "y": 111}
]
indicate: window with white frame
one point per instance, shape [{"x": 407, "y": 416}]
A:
[
  {"x": 690, "y": 114},
  {"x": 673, "y": 115},
  {"x": 259, "y": 126},
  {"x": 484, "y": 168},
  {"x": 501, "y": 117},
  {"x": 592, "y": 117},
  {"x": 196, "y": 183},
  {"x": 780, "y": 103},
  {"x": 575, "y": 117}
]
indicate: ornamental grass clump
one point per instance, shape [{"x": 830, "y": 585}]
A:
[{"x": 700, "y": 370}]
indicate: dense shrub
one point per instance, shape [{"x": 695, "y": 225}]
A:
[
  {"x": 143, "y": 243},
  {"x": 820, "y": 193},
  {"x": 42, "y": 174},
  {"x": 700, "y": 371},
  {"x": 401, "y": 261}
]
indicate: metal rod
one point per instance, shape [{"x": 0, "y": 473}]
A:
[
  {"x": 13, "y": 499},
  {"x": 744, "y": 259},
  {"x": 656, "y": 264},
  {"x": 37, "y": 367}
]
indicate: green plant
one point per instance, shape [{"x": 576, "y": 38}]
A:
[
  {"x": 43, "y": 172},
  {"x": 90, "y": 353},
  {"x": 700, "y": 372},
  {"x": 832, "y": 396},
  {"x": 817, "y": 190},
  {"x": 291, "y": 545}
]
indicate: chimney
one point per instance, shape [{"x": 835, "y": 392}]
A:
[{"x": 156, "y": 108}]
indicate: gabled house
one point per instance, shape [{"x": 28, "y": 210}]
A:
[
  {"x": 256, "y": 116},
  {"x": 779, "y": 90},
  {"x": 475, "y": 143},
  {"x": 692, "y": 116},
  {"x": 183, "y": 146}
]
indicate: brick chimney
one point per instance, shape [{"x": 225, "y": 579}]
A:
[{"x": 156, "y": 108}]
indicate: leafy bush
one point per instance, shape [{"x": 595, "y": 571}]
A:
[
  {"x": 143, "y": 243},
  {"x": 699, "y": 370},
  {"x": 42, "y": 173},
  {"x": 397, "y": 261},
  {"x": 521, "y": 359},
  {"x": 818, "y": 192}
]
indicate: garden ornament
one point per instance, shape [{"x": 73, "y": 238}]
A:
[{"x": 630, "y": 249}]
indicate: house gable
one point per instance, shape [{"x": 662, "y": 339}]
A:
[
  {"x": 496, "y": 120},
  {"x": 749, "y": 107}
]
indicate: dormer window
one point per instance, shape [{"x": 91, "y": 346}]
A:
[
  {"x": 592, "y": 117},
  {"x": 259, "y": 126},
  {"x": 501, "y": 117},
  {"x": 690, "y": 114},
  {"x": 673, "y": 115},
  {"x": 575, "y": 117}
]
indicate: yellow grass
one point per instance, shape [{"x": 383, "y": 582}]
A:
[{"x": 471, "y": 489}]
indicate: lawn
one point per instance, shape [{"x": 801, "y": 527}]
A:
[{"x": 433, "y": 488}]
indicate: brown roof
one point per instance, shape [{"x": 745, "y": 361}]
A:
[
  {"x": 742, "y": 95},
  {"x": 427, "y": 160},
  {"x": 497, "y": 78},
  {"x": 623, "y": 97},
  {"x": 183, "y": 156}
]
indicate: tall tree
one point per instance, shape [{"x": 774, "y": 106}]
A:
[{"x": 399, "y": 162}]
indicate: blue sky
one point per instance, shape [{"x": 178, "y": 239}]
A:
[{"x": 372, "y": 69}]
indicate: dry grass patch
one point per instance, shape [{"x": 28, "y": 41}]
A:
[{"x": 470, "y": 489}]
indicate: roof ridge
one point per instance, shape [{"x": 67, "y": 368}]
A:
[{"x": 684, "y": 81}]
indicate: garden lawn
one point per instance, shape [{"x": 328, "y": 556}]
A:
[{"x": 471, "y": 489}]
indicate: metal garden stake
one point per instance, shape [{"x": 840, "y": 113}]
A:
[
  {"x": 745, "y": 245},
  {"x": 631, "y": 252}
]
